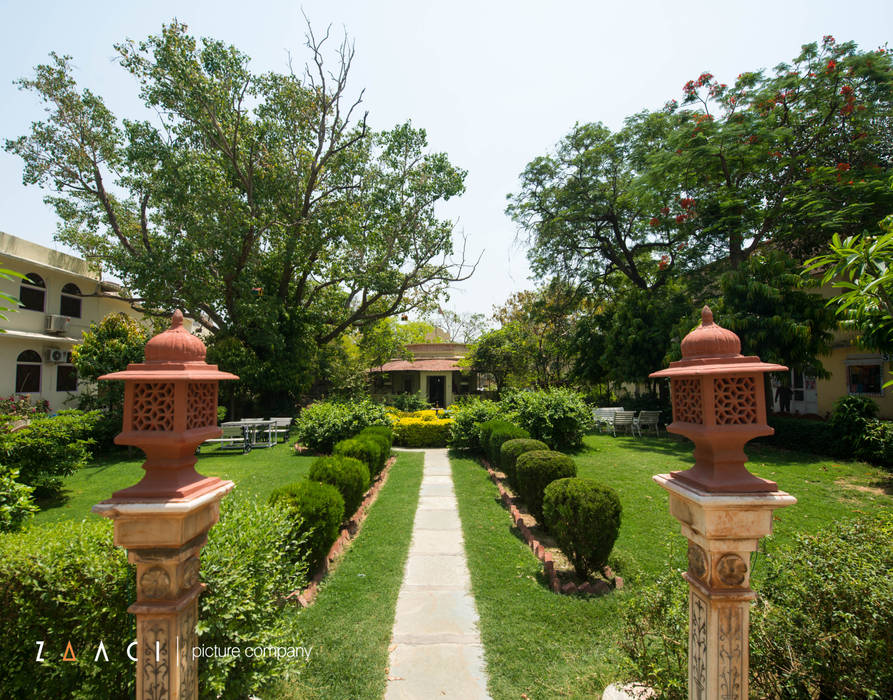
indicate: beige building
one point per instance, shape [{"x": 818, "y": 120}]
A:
[{"x": 61, "y": 296}]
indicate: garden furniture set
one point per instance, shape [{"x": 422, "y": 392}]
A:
[
  {"x": 616, "y": 418},
  {"x": 248, "y": 433}
]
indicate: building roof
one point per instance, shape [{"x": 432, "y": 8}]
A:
[{"x": 423, "y": 365}]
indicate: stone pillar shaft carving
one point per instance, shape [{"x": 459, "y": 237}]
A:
[{"x": 723, "y": 530}]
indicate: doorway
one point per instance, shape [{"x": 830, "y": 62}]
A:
[{"x": 437, "y": 391}]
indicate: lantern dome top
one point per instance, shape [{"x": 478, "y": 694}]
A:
[
  {"x": 176, "y": 344},
  {"x": 710, "y": 340}
]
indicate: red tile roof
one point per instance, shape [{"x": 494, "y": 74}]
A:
[{"x": 425, "y": 365}]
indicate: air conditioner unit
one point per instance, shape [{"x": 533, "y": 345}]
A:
[
  {"x": 56, "y": 324},
  {"x": 55, "y": 355}
]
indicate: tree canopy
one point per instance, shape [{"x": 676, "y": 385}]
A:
[{"x": 262, "y": 204}]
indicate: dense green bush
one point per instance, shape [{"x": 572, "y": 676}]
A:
[
  {"x": 584, "y": 517},
  {"x": 468, "y": 415},
  {"x": 820, "y": 627},
  {"x": 422, "y": 431},
  {"x": 498, "y": 435},
  {"x": 511, "y": 450},
  {"x": 407, "y": 401},
  {"x": 804, "y": 434},
  {"x": 317, "y": 511},
  {"x": 322, "y": 424},
  {"x": 876, "y": 445},
  {"x": 20, "y": 406},
  {"x": 849, "y": 417},
  {"x": 386, "y": 432},
  {"x": 16, "y": 503},
  {"x": 69, "y": 582},
  {"x": 558, "y": 417},
  {"x": 486, "y": 429},
  {"x": 49, "y": 448},
  {"x": 60, "y": 584},
  {"x": 383, "y": 441},
  {"x": 350, "y": 476},
  {"x": 252, "y": 560},
  {"x": 366, "y": 449},
  {"x": 535, "y": 471}
]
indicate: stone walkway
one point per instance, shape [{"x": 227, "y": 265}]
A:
[{"x": 435, "y": 646}]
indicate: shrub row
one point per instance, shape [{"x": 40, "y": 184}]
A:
[
  {"x": 71, "y": 583},
  {"x": 324, "y": 423},
  {"x": 422, "y": 431}
]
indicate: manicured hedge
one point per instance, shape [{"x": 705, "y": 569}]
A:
[
  {"x": 486, "y": 429},
  {"x": 350, "y": 476},
  {"x": 511, "y": 450},
  {"x": 69, "y": 582},
  {"x": 383, "y": 430},
  {"x": 422, "y": 432},
  {"x": 316, "y": 511},
  {"x": 384, "y": 446},
  {"x": 366, "y": 449},
  {"x": 535, "y": 471},
  {"x": 584, "y": 517},
  {"x": 500, "y": 434}
]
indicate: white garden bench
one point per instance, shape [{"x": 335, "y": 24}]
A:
[
  {"x": 603, "y": 417},
  {"x": 282, "y": 426},
  {"x": 234, "y": 437}
]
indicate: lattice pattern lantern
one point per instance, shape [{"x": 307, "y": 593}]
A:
[
  {"x": 718, "y": 401},
  {"x": 170, "y": 408}
]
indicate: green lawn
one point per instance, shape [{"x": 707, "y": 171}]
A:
[
  {"x": 258, "y": 472},
  {"x": 349, "y": 625},
  {"x": 550, "y": 646}
]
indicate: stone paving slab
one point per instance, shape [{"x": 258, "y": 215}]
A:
[{"x": 436, "y": 648}]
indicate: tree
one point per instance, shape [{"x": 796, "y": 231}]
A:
[
  {"x": 108, "y": 346},
  {"x": 498, "y": 354},
  {"x": 460, "y": 327},
  {"x": 789, "y": 158},
  {"x": 263, "y": 204}
]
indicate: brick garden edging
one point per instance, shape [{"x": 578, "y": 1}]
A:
[
  {"x": 541, "y": 553},
  {"x": 349, "y": 531}
]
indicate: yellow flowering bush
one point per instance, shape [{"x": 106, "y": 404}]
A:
[{"x": 421, "y": 428}]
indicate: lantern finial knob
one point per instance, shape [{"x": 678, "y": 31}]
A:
[
  {"x": 706, "y": 316},
  {"x": 177, "y": 319}
]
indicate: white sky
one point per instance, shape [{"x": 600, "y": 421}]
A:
[{"x": 494, "y": 83}]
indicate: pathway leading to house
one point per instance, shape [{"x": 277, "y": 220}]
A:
[{"x": 435, "y": 646}]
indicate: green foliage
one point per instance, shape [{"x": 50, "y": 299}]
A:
[
  {"x": 815, "y": 436},
  {"x": 233, "y": 211},
  {"x": 322, "y": 424},
  {"x": 584, "y": 517},
  {"x": 255, "y": 555},
  {"x": 20, "y": 406},
  {"x": 316, "y": 511},
  {"x": 849, "y": 418},
  {"x": 422, "y": 432},
  {"x": 16, "y": 503},
  {"x": 468, "y": 416},
  {"x": 511, "y": 450},
  {"x": 486, "y": 429},
  {"x": 350, "y": 476},
  {"x": 407, "y": 401},
  {"x": 820, "y": 627},
  {"x": 382, "y": 440},
  {"x": 498, "y": 353},
  {"x": 49, "y": 448},
  {"x": 558, "y": 417},
  {"x": 381, "y": 430},
  {"x": 537, "y": 469},
  {"x": 14, "y": 303},
  {"x": 876, "y": 445},
  {"x": 367, "y": 449},
  {"x": 68, "y": 583},
  {"x": 498, "y": 435}
]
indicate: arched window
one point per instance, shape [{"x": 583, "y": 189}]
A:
[
  {"x": 33, "y": 292},
  {"x": 71, "y": 301},
  {"x": 28, "y": 366}
]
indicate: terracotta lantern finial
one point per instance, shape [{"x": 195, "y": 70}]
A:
[
  {"x": 177, "y": 318},
  {"x": 706, "y": 316}
]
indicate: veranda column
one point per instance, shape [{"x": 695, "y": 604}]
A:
[
  {"x": 719, "y": 403},
  {"x": 170, "y": 407}
]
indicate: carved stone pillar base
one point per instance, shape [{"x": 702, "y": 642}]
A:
[
  {"x": 164, "y": 539},
  {"x": 722, "y": 531}
]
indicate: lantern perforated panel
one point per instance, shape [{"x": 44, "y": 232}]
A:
[
  {"x": 153, "y": 406},
  {"x": 201, "y": 401},
  {"x": 735, "y": 399},
  {"x": 687, "y": 405}
]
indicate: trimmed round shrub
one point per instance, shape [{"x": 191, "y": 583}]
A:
[
  {"x": 322, "y": 424},
  {"x": 317, "y": 511},
  {"x": 511, "y": 450},
  {"x": 365, "y": 449},
  {"x": 535, "y": 471},
  {"x": 386, "y": 432},
  {"x": 486, "y": 429},
  {"x": 383, "y": 442},
  {"x": 499, "y": 435},
  {"x": 467, "y": 417},
  {"x": 350, "y": 476},
  {"x": 584, "y": 517}
]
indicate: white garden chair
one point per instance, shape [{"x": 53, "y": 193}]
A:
[
  {"x": 648, "y": 419},
  {"x": 625, "y": 420},
  {"x": 603, "y": 417}
]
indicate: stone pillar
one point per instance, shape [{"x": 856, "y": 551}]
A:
[
  {"x": 718, "y": 403},
  {"x": 722, "y": 531},
  {"x": 170, "y": 407}
]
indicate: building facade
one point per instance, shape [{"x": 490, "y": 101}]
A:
[{"x": 60, "y": 297}]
